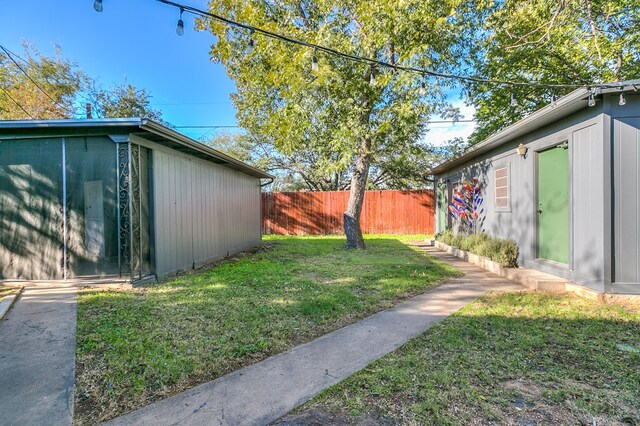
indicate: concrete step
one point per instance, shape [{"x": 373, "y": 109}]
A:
[
  {"x": 535, "y": 280},
  {"x": 529, "y": 278}
]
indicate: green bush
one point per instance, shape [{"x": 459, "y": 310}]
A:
[
  {"x": 473, "y": 241},
  {"x": 505, "y": 252}
]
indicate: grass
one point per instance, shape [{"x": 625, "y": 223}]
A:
[
  {"x": 8, "y": 291},
  {"x": 525, "y": 358},
  {"x": 137, "y": 346}
]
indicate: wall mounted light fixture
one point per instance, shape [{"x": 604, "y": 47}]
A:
[{"x": 521, "y": 150}]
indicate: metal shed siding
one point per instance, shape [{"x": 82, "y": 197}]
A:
[
  {"x": 625, "y": 188},
  {"x": 587, "y": 176},
  {"x": 627, "y": 204},
  {"x": 203, "y": 211},
  {"x": 584, "y": 132}
]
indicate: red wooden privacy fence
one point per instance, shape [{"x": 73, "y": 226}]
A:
[{"x": 317, "y": 213}]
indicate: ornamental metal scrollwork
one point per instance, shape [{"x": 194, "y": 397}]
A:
[
  {"x": 136, "y": 261},
  {"x": 124, "y": 231}
]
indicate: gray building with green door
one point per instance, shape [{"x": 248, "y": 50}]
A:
[
  {"x": 564, "y": 183},
  {"x": 118, "y": 198}
]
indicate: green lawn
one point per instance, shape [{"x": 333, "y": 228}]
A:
[
  {"x": 9, "y": 290},
  {"x": 137, "y": 346},
  {"x": 517, "y": 359}
]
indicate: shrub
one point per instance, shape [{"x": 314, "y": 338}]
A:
[
  {"x": 446, "y": 237},
  {"x": 473, "y": 241},
  {"x": 505, "y": 252}
]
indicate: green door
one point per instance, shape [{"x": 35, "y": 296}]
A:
[
  {"x": 553, "y": 204},
  {"x": 442, "y": 207}
]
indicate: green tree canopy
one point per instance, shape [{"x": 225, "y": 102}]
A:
[
  {"x": 352, "y": 110},
  {"x": 34, "y": 86},
  {"x": 122, "y": 101},
  {"x": 308, "y": 170},
  {"x": 38, "y": 87},
  {"x": 550, "y": 41}
]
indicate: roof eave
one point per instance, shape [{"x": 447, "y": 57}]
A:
[
  {"x": 564, "y": 106},
  {"x": 158, "y": 129},
  {"x": 145, "y": 125}
]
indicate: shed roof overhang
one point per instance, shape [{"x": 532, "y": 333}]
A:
[
  {"x": 563, "y": 107},
  {"x": 142, "y": 127}
]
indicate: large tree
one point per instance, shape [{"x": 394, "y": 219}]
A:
[
  {"x": 550, "y": 41},
  {"x": 354, "y": 110}
]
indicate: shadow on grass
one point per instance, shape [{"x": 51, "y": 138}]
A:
[
  {"x": 529, "y": 358},
  {"x": 138, "y": 346}
]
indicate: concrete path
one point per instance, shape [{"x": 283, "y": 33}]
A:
[
  {"x": 37, "y": 358},
  {"x": 265, "y": 391}
]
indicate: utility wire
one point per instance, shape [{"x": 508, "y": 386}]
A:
[
  {"x": 202, "y": 126},
  {"x": 372, "y": 61},
  {"x": 10, "y": 56},
  {"x": 17, "y": 103}
]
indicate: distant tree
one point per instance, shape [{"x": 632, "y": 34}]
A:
[
  {"x": 37, "y": 86},
  {"x": 550, "y": 41},
  {"x": 41, "y": 87},
  {"x": 122, "y": 101},
  {"x": 309, "y": 170}
]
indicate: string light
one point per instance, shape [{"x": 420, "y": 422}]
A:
[
  {"x": 251, "y": 44},
  {"x": 423, "y": 88},
  {"x": 373, "y": 62},
  {"x": 372, "y": 77},
  {"x": 592, "y": 99},
  {"x": 622, "y": 101},
  {"x": 514, "y": 101},
  {"x": 180, "y": 26},
  {"x": 554, "y": 98},
  {"x": 468, "y": 98}
]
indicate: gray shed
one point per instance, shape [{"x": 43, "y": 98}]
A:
[
  {"x": 570, "y": 196},
  {"x": 126, "y": 198}
]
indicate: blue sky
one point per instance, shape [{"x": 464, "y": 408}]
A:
[{"x": 136, "y": 40}]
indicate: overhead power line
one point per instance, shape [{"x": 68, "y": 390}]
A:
[
  {"x": 217, "y": 126},
  {"x": 10, "y": 55},
  {"x": 17, "y": 103},
  {"x": 202, "y": 126}
]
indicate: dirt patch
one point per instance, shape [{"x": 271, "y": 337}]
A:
[
  {"x": 528, "y": 406},
  {"x": 322, "y": 416}
]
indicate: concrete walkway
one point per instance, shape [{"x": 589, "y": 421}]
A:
[
  {"x": 37, "y": 358},
  {"x": 265, "y": 391}
]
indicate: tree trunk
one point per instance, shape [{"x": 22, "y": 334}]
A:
[{"x": 356, "y": 197}]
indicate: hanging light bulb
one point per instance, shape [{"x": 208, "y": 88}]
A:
[
  {"x": 314, "y": 63},
  {"x": 180, "y": 27},
  {"x": 372, "y": 77},
  {"x": 251, "y": 44},
  {"x": 423, "y": 88},
  {"x": 592, "y": 99},
  {"x": 97, "y": 5},
  {"x": 469, "y": 98},
  {"x": 622, "y": 101},
  {"x": 553, "y": 100},
  {"x": 514, "y": 101}
]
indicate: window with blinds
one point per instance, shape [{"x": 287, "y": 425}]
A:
[{"x": 501, "y": 183}]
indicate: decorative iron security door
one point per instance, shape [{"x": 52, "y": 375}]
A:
[{"x": 133, "y": 210}]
